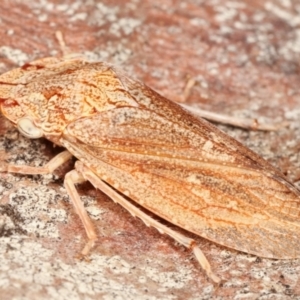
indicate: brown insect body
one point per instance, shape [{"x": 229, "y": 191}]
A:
[{"x": 148, "y": 148}]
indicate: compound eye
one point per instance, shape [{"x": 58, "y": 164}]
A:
[{"x": 27, "y": 128}]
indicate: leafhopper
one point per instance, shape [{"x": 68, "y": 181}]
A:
[{"x": 130, "y": 142}]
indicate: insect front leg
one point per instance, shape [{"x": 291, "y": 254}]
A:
[
  {"x": 53, "y": 164},
  {"x": 71, "y": 178},
  {"x": 136, "y": 212}
]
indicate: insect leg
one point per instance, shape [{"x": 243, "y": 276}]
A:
[
  {"x": 180, "y": 238},
  {"x": 67, "y": 54},
  {"x": 72, "y": 178},
  {"x": 53, "y": 164},
  {"x": 246, "y": 123}
]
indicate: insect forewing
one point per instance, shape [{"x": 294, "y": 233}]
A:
[{"x": 194, "y": 177}]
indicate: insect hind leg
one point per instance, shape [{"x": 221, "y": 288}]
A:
[{"x": 136, "y": 212}]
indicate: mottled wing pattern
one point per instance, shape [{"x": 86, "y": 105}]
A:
[{"x": 198, "y": 179}]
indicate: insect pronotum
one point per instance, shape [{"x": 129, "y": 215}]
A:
[{"x": 130, "y": 141}]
